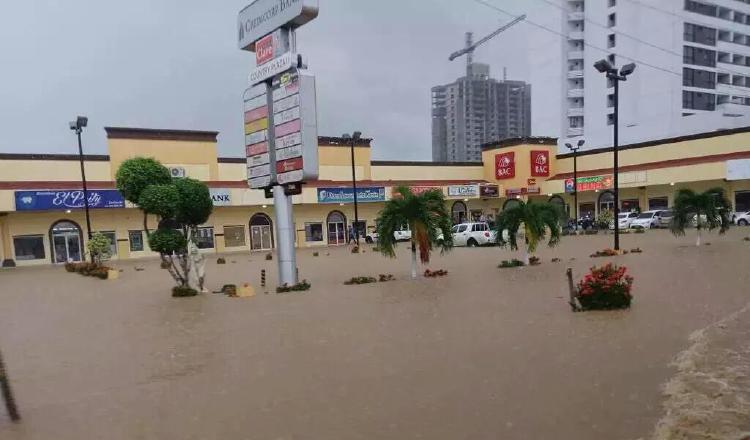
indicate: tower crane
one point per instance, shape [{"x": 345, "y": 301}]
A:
[{"x": 470, "y": 46}]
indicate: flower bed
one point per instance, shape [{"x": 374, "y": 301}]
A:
[
  {"x": 605, "y": 288},
  {"x": 511, "y": 263},
  {"x": 89, "y": 269}
]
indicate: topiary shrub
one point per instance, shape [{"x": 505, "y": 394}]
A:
[
  {"x": 167, "y": 241},
  {"x": 605, "y": 288}
]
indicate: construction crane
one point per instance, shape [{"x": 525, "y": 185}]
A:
[{"x": 470, "y": 46}]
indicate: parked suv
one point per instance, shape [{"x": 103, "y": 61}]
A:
[
  {"x": 665, "y": 218},
  {"x": 741, "y": 218},
  {"x": 624, "y": 219},
  {"x": 473, "y": 234},
  {"x": 647, "y": 220}
]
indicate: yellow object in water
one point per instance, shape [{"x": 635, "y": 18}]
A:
[{"x": 245, "y": 291}]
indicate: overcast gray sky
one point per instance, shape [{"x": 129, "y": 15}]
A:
[{"x": 175, "y": 64}]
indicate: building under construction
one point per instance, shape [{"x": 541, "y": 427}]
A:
[{"x": 477, "y": 109}]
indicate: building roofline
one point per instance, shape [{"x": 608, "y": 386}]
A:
[
  {"x": 160, "y": 134},
  {"x": 526, "y": 140},
  {"x": 423, "y": 163},
  {"x": 663, "y": 141},
  {"x": 45, "y": 156}
]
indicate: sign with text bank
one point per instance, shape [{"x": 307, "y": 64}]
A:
[{"x": 67, "y": 199}]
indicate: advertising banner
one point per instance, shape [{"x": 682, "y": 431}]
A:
[
  {"x": 67, "y": 199},
  {"x": 590, "y": 183},
  {"x": 271, "y": 46},
  {"x": 346, "y": 195},
  {"x": 540, "y": 163},
  {"x": 489, "y": 191},
  {"x": 505, "y": 165}
]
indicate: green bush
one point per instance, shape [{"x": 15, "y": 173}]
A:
[
  {"x": 360, "y": 280},
  {"x": 88, "y": 269},
  {"x": 134, "y": 175},
  {"x": 194, "y": 202},
  {"x": 299, "y": 287},
  {"x": 99, "y": 247},
  {"x": 160, "y": 200},
  {"x": 383, "y": 277},
  {"x": 167, "y": 241},
  {"x": 183, "y": 291},
  {"x": 606, "y": 288}
]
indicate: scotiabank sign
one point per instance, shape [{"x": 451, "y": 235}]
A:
[
  {"x": 505, "y": 165},
  {"x": 540, "y": 163}
]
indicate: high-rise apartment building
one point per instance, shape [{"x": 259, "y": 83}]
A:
[
  {"x": 692, "y": 75},
  {"x": 477, "y": 109}
]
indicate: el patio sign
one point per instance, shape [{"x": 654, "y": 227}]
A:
[{"x": 67, "y": 199}]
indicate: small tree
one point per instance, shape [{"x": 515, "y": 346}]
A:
[
  {"x": 181, "y": 204},
  {"x": 536, "y": 219},
  {"x": 706, "y": 210},
  {"x": 99, "y": 248},
  {"x": 427, "y": 218}
]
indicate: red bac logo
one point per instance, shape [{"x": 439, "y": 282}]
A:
[
  {"x": 505, "y": 166},
  {"x": 540, "y": 163}
]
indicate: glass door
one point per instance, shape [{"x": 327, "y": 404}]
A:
[
  {"x": 336, "y": 233},
  {"x": 66, "y": 246},
  {"x": 265, "y": 237}
]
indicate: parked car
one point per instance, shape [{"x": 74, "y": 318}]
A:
[
  {"x": 624, "y": 219},
  {"x": 665, "y": 218},
  {"x": 646, "y": 220},
  {"x": 404, "y": 234},
  {"x": 741, "y": 218},
  {"x": 473, "y": 234}
]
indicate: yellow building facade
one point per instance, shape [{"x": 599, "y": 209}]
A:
[{"x": 41, "y": 220}]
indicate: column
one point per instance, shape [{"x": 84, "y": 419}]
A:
[{"x": 7, "y": 255}]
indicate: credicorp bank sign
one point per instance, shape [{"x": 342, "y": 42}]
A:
[{"x": 262, "y": 17}]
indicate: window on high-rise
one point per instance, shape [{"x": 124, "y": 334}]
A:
[
  {"x": 698, "y": 100},
  {"x": 699, "y": 34},
  {"x": 698, "y": 56},
  {"x": 611, "y": 3},
  {"x": 701, "y": 8},
  {"x": 611, "y": 40},
  {"x": 611, "y": 119},
  {"x": 698, "y": 78},
  {"x": 612, "y": 20}
]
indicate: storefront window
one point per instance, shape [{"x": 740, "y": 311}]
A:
[
  {"x": 313, "y": 232},
  {"x": 204, "y": 238},
  {"x": 606, "y": 201},
  {"x": 742, "y": 201},
  {"x": 362, "y": 228},
  {"x": 29, "y": 247},
  {"x": 655, "y": 203},
  {"x": 136, "y": 240},
  {"x": 630, "y": 205},
  {"x": 458, "y": 212},
  {"x": 234, "y": 236}
]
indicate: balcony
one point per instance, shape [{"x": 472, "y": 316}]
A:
[
  {"x": 575, "y": 93},
  {"x": 575, "y": 55},
  {"x": 577, "y": 131},
  {"x": 575, "y": 35},
  {"x": 575, "y": 111},
  {"x": 575, "y": 16},
  {"x": 575, "y": 74}
]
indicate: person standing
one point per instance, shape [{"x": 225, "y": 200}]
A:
[{"x": 352, "y": 238}]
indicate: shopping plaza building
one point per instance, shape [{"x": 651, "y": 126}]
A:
[{"x": 41, "y": 201}]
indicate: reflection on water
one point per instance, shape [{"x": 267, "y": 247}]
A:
[{"x": 709, "y": 398}]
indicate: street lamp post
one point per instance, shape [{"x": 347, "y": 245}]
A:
[
  {"x": 612, "y": 73},
  {"x": 574, "y": 149},
  {"x": 77, "y": 126},
  {"x": 353, "y": 138}
]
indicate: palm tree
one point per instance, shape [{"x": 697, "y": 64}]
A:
[
  {"x": 706, "y": 210},
  {"x": 535, "y": 218},
  {"x": 428, "y": 220}
]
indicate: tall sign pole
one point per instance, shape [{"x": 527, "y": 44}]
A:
[{"x": 281, "y": 136}]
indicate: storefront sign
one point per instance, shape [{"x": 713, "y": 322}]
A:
[
  {"x": 590, "y": 183},
  {"x": 221, "y": 196},
  {"x": 67, "y": 199},
  {"x": 271, "y": 46},
  {"x": 419, "y": 189},
  {"x": 488, "y": 191},
  {"x": 274, "y": 67},
  {"x": 463, "y": 190},
  {"x": 262, "y": 17},
  {"x": 738, "y": 169},
  {"x": 540, "y": 163},
  {"x": 346, "y": 195},
  {"x": 505, "y": 165}
]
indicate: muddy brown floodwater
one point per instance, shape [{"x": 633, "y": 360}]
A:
[{"x": 484, "y": 353}]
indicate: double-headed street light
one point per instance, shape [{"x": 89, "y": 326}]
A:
[
  {"x": 77, "y": 126},
  {"x": 611, "y": 72},
  {"x": 353, "y": 139},
  {"x": 574, "y": 149}
]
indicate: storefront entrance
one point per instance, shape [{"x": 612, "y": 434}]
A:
[
  {"x": 261, "y": 233},
  {"x": 336, "y": 228},
  {"x": 66, "y": 242}
]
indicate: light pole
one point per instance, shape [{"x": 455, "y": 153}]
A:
[
  {"x": 611, "y": 72},
  {"x": 353, "y": 138},
  {"x": 77, "y": 126},
  {"x": 574, "y": 149}
]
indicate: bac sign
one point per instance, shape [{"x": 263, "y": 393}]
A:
[
  {"x": 505, "y": 165},
  {"x": 540, "y": 163}
]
